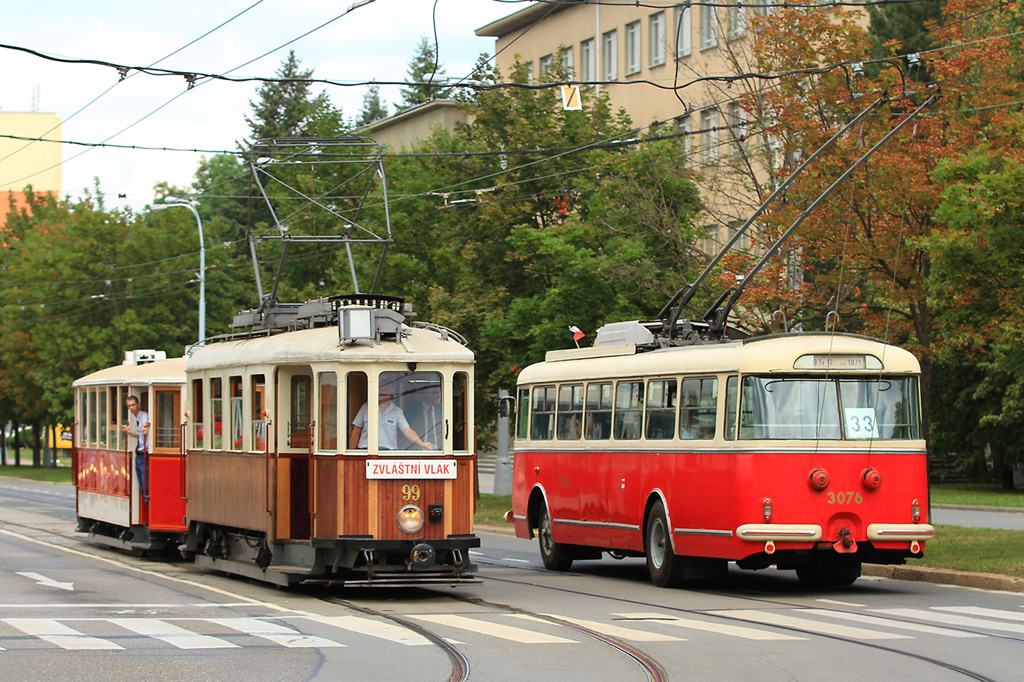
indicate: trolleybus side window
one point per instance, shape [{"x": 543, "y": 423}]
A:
[
  {"x": 698, "y": 409},
  {"x": 629, "y": 410},
  {"x": 570, "y": 411},
  {"x": 328, "y": 411},
  {"x": 661, "y": 408},
  {"x": 237, "y": 415},
  {"x": 258, "y": 384},
  {"x": 732, "y": 400},
  {"x": 197, "y": 413},
  {"x": 522, "y": 414},
  {"x": 460, "y": 408},
  {"x": 543, "y": 427},
  {"x": 419, "y": 396},
  {"x": 355, "y": 398},
  {"x": 599, "y": 411},
  {"x": 216, "y": 415},
  {"x": 298, "y": 424}
]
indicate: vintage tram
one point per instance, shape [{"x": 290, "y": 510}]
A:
[
  {"x": 800, "y": 450},
  {"x": 273, "y": 480}
]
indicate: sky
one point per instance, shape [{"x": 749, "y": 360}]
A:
[{"x": 374, "y": 40}]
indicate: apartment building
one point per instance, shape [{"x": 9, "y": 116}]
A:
[{"x": 24, "y": 163}]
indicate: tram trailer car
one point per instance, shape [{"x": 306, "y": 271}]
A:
[
  {"x": 802, "y": 451},
  {"x": 272, "y": 486}
]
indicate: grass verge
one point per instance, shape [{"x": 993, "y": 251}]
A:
[
  {"x": 975, "y": 550},
  {"x": 60, "y": 474},
  {"x": 975, "y": 494}
]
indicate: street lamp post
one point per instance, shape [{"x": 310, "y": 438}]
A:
[{"x": 171, "y": 202}]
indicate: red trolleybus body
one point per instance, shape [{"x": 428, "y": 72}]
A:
[
  {"x": 802, "y": 451},
  {"x": 110, "y": 507},
  {"x": 280, "y": 490}
]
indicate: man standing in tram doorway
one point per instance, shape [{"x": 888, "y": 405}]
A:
[{"x": 138, "y": 428}]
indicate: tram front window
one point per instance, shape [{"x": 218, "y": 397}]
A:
[
  {"x": 420, "y": 398},
  {"x": 799, "y": 408}
]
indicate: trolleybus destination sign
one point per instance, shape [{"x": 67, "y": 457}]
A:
[{"x": 411, "y": 468}]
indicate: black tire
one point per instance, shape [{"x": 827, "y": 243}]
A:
[
  {"x": 835, "y": 571},
  {"x": 663, "y": 564},
  {"x": 556, "y": 556}
]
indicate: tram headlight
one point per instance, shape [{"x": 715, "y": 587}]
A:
[{"x": 410, "y": 518}]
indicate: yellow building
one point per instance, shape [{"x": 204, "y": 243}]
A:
[{"x": 24, "y": 162}]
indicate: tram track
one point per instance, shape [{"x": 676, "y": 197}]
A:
[{"x": 945, "y": 665}]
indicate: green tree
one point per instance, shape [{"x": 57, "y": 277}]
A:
[
  {"x": 290, "y": 109},
  {"x": 374, "y": 108},
  {"x": 424, "y": 72}
]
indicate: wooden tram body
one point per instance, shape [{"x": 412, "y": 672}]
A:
[
  {"x": 108, "y": 501},
  {"x": 798, "y": 450},
  {"x": 273, "y": 489}
]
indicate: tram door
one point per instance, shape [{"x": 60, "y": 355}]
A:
[
  {"x": 295, "y": 407},
  {"x": 166, "y": 507}
]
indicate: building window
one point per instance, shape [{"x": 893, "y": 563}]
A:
[
  {"x": 610, "y": 55},
  {"x": 737, "y": 21},
  {"x": 632, "y": 48},
  {"x": 528, "y": 67},
  {"x": 709, "y": 134},
  {"x": 683, "y": 31},
  {"x": 656, "y": 35},
  {"x": 737, "y": 124},
  {"x": 708, "y": 28},
  {"x": 587, "y": 60},
  {"x": 684, "y": 124},
  {"x": 545, "y": 65},
  {"x": 567, "y": 64}
]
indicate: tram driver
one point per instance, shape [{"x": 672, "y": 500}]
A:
[{"x": 391, "y": 421}]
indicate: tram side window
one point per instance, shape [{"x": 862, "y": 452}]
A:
[
  {"x": 570, "y": 411},
  {"x": 216, "y": 414},
  {"x": 661, "y": 408},
  {"x": 197, "y": 413},
  {"x": 83, "y": 417},
  {"x": 543, "y": 413},
  {"x": 460, "y": 410},
  {"x": 355, "y": 398},
  {"x": 102, "y": 395},
  {"x": 629, "y": 410},
  {"x": 298, "y": 424},
  {"x": 166, "y": 418},
  {"x": 93, "y": 438},
  {"x": 523, "y": 414},
  {"x": 599, "y": 411},
  {"x": 328, "y": 411},
  {"x": 237, "y": 416},
  {"x": 115, "y": 433},
  {"x": 698, "y": 409},
  {"x": 259, "y": 413}
]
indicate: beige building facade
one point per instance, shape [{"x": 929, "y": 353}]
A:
[
  {"x": 24, "y": 162},
  {"x": 404, "y": 129}
]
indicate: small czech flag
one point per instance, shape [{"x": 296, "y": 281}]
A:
[{"x": 577, "y": 334}]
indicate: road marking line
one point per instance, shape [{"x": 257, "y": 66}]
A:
[
  {"x": 373, "y": 628},
  {"x": 807, "y": 624},
  {"x": 172, "y": 634},
  {"x": 875, "y": 620},
  {"x": 719, "y": 628},
  {"x": 57, "y": 633},
  {"x": 951, "y": 619},
  {"x": 495, "y": 629},
  {"x": 279, "y": 634},
  {"x": 611, "y": 630},
  {"x": 979, "y": 611}
]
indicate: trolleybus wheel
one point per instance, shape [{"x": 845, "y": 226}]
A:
[
  {"x": 662, "y": 563},
  {"x": 829, "y": 572},
  {"x": 556, "y": 556}
]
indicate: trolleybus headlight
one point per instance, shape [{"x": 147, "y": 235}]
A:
[
  {"x": 819, "y": 478},
  {"x": 410, "y": 518},
  {"x": 915, "y": 511},
  {"x": 871, "y": 479}
]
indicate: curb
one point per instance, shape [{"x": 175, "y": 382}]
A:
[
  {"x": 980, "y": 508},
  {"x": 942, "y": 576}
]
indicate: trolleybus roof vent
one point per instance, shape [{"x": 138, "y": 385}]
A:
[
  {"x": 143, "y": 357},
  {"x": 617, "y": 333}
]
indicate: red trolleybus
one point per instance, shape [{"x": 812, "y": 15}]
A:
[
  {"x": 802, "y": 451},
  {"x": 110, "y": 507}
]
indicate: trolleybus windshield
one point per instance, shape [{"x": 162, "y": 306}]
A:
[{"x": 805, "y": 408}]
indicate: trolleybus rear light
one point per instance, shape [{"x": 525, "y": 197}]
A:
[
  {"x": 915, "y": 511},
  {"x": 915, "y": 547},
  {"x": 766, "y": 508},
  {"x": 871, "y": 479},
  {"x": 819, "y": 478}
]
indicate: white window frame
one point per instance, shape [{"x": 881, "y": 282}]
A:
[
  {"x": 708, "y": 27},
  {"x": 567, "y": 63},
  {"x": 709, "y": 135},
  {"x": 656, "y": 36},
  {"x": 610, "y": 55},
  {"x": 684, "y": 31},
  {"x": 737, "y": 125},
  {"x": 737, "y": 22},
  {"x": 544, "y": 65},
  {"x": 588, "y": 67},
  {"x": 633, "y": 48},
  {"x": 684, "y": 124}
]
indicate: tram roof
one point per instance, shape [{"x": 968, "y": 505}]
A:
[
  {"x": 169, "y": 371},
  {"x": 321, "y": 344},
  {"x": 765, "y": 354}
]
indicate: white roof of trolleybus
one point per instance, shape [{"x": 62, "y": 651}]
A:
[
  {"x": 766, "y": 354},
  {"x": 171, "y": 371},
  {"x": 321, "y": 344}
]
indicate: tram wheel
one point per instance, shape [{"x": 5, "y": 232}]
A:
[
  {"x": 663, "y": 564},
  {"x": 555, "y": 555}
]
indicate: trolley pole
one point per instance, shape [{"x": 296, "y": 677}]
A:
[{"x": 503, "y": 465}]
